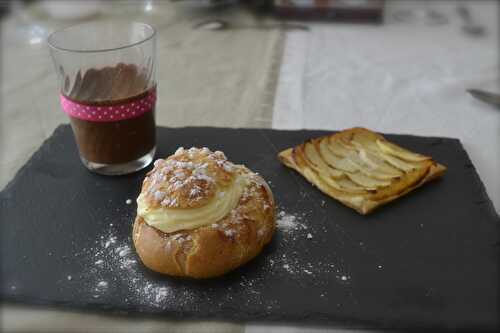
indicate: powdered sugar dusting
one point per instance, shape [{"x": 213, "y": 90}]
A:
[
  {"x": 229, "y": 232},
  {"x": 289, "y": 223},
  {"x": 102, "y": 285},
  {"x": 188, "y": 175},
  {"x": 294, "y": 228},
  {"x": 113, "y": 265}
]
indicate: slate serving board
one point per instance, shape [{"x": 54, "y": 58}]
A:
[{"x": 429, "y": 260}]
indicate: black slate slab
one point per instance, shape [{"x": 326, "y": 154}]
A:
[{"x": 429, "y": 260}]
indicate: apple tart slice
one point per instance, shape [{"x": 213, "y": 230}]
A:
[{"x": 360, "y": 168}]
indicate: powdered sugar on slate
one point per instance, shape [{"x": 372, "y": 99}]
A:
[
  {"x": 290, "y": 223},
  {"x": 113, "y": 264},
  {"x": 295, "y": 228}
]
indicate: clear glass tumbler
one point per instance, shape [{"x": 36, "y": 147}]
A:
[{"x": 108, "y": 89}]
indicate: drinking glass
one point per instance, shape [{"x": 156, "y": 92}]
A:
[{"x": 107, "y": 81}]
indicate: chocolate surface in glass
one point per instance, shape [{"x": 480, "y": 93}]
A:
[{"x": 118, "y": 141}]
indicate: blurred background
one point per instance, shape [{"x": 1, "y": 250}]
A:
[{"x": 392, "y": 66}]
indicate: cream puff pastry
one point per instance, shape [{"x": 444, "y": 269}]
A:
[{"x": 200, "y": 216}]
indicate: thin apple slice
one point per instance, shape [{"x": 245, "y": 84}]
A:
[
  {"x": 323, "y": 174},
  {"x": 400, "y": 164},
  {"x": 349, "y": 186},
  {"x": 297, "y": 157},
  {"x": 366, "y": 169},
  {"x": 365, "y": 142},
  {"x": 332, "y": 159},
  {"x": 367, "y": 182},
  {"x": 370, "y": 153},
  {"x": 334, "y": 183},
  {"x": 394, "y": 150},
  {"x": 336, "y": 148},
  {"x": 310, "y": 161},
  {"x": 346, "y": 144},
  {"x": 301, "y": 160},
  {"x": 307, "y": 167},
  {"x": 377, "y": 163},
  {"x": 356, "y": 166},
  {"x": 342, "y": 185},
  {"x": 310, "y": 155},
  {"x": 311, "y": 150},
  {"x": 369, "y": 158}
]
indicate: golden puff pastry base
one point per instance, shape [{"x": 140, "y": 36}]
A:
[
  {"x": 366, "y": 201},
  {"x": 211, "y": 250}
]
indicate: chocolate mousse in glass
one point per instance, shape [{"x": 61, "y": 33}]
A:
[{"x": 108, "y": 90}]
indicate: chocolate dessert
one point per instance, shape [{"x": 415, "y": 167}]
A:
[{"x": 116, "y": 137}]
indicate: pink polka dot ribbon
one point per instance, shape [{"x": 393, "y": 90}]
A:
[{"x": 106, "y": 113}]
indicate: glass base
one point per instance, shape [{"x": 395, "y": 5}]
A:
[{"x": 122, "y": 168}]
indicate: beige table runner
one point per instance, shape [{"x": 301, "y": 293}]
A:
[{"x": 209, "y": 78}]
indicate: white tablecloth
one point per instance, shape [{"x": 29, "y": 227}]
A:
[{"x": 398, "y": 78}]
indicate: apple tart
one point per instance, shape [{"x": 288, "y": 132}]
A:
[{"x": 360, "y": 168}]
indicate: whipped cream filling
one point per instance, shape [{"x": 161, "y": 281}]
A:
[{"x": 174, "y": 219}]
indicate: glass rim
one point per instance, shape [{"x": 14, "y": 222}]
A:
[{"x": 53, "y": 45}]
